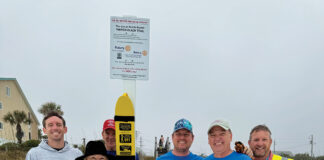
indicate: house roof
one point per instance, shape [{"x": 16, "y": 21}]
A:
[{"x": 23, "y": 95}]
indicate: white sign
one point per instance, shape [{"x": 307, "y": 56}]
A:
[{"x": 129, "y": 48}]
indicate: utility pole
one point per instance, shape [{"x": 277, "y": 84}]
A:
[
  {"x": 141, "y": 148},
  {"x": 274, "y": 146},
  {"x": 312, "y": 143},
  {"x": 155, "y": 146},
  {"x": 84, "y": 145},
  {"x": 83, "y": 142}
]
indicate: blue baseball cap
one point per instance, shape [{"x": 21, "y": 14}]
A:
[{"x": 182, "y": 124}]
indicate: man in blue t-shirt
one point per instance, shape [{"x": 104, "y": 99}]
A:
[
  {"x": 219, "y": 139},
  {"x": 182, "y": 138}
]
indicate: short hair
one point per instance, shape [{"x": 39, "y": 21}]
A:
[
  {"x": 51, "y": 114},
  {"x": 261, "y": 127}
]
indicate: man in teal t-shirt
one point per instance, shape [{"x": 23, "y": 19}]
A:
[{"x": 182, "y": 138}]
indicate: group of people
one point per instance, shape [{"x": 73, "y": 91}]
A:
[{"x": 219, "y": 139}]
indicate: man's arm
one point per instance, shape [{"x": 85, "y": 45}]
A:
[
  {"x": 240, "y": 148},
  {"x": 248, "y": 152}
]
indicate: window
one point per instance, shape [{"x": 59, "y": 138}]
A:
[
  {"x": 8, "y": 91},
  {"x": 29, "y": 117},
  {"x": 1, "y": 126},
  {"x": 0, "y": 105}
]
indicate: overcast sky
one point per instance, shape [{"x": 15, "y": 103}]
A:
[{"x": 250, "y": 62}]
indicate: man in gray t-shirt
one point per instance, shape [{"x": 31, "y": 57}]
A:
[{"x": 54, "y": 147}]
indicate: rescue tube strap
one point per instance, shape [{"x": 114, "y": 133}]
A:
[{"x": 124, "y": 118}]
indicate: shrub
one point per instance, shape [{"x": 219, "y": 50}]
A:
[
  {"x": 29, "y": 144},
  {"x": 12, "y": 155},
  {"x": 9, "y": 146}
]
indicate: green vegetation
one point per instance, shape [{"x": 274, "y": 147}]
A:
[
  {"x": 15, "y": 151},
  {"x": 306, "y": 156},
  {"x": 50, "y": 107},
  {"x": 13, "y": 155},
  {"x": 19, "y": 147},
  {"x": 17, "y": 118},
  {"x": 26, "y": 146}
]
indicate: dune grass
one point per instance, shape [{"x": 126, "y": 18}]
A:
[{"x": 13, "y": 155}]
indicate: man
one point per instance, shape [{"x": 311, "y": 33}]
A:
[
  {"x": 95, "y": 150},
  {"x": 182, "y": 138},
  {"x": 108, "y": 135},
  {"x": 260, "y": 142},
  {"x": 219, "y": 139},
  {"x": 54, "y": 147}
]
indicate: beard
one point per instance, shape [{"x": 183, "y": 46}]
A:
[
  {"x": 259, "y": 153},
  {"x": 182, "y": 149}
]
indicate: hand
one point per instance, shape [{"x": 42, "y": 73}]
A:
[
  {"x": 240, "y": 148},
  {"x": 248, "y": 152}
]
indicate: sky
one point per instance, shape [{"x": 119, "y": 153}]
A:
[{"x": 249, "y": 62}]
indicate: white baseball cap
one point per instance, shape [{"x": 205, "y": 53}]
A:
[{"x": 222, "y": 123}]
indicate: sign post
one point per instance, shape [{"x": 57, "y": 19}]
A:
[{"x": 129, "y": 61}]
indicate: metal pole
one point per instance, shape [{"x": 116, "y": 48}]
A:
[
  {"x": 155, "y": 145},
  {"x": 312, "y": 143},
  {"x": 141, "y": 149}
]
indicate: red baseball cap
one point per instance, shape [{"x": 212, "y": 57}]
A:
[{"x": 109, "y": 123}]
